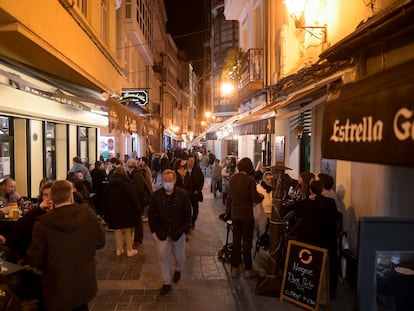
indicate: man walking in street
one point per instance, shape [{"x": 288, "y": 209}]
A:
[
  {"x": 169, "y": 218},
  {"x": 63, "y": 246}
]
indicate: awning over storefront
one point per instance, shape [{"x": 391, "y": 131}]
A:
[
  {"x": 216, "y": 130},
  {"x": 259, "y": 122},
  {"x": 372, "y": 120},
  {"x": 302, "y": 109},
  {"x": 171, "y": 134},
  {"x": 262, "y": 121},
  {"x": 122, "y": 119}
]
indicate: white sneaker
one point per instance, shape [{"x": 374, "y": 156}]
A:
[
  {"x": 132, "y": 252},
  {"x": 119, "y": 252}
]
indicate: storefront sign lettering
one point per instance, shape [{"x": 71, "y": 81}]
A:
[
  {"x": 372, "y": 120},
  {"x": 367, "y": 130},
  {"x": 403, "y": 126},
  {"x": 140, "y": 97}
]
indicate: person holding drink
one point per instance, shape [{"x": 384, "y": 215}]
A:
[{"x": 22, "y": 235}]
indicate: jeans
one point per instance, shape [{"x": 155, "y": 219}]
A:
[{"x": 164, "y": 249}]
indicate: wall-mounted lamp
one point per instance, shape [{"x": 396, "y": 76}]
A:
[{"x": 296, "y": 10}]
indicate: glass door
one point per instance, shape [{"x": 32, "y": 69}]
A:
[{"x": 50, "y": 150}]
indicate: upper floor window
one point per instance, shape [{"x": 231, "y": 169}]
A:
[
  {"x": 83, "y": 6},
  {"x": 144, "y": 20},
  {"x": 127, "y": 8}
]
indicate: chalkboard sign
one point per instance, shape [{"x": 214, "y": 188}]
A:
[{"x": 304, "y": 275}]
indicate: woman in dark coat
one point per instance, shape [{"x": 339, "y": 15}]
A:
[
  {"x": 242, "y": 196},
  {"x": 121, "y": 210}
]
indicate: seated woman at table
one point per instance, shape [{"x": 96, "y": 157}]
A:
[{"x": 22, "y": 235}]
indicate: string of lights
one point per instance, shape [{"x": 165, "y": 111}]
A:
[{"x": 174, "y": 37}]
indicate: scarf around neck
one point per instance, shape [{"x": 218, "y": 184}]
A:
[{"x": 266, "y": 187}]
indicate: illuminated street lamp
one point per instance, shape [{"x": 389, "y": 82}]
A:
[
  {"x": 226, "y": 88},
  {"x": 297, "y": 10}
]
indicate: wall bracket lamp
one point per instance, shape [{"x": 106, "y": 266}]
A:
[{"x": 296, "y": 9}]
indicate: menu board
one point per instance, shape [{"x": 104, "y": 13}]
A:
[{"x": 304, "y": 274}]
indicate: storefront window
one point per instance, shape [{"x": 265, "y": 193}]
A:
[
  {"x": 5, "y": 147},
  {"x": 50, "y": 150},
  {"x": 83, "y": 144}
]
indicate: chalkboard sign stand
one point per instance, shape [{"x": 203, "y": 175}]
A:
[{"x": 305, "y": 276}]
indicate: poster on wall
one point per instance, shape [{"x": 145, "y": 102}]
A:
[{"x": 107, "y": 147}]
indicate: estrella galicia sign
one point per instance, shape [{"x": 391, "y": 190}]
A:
[{"x": 139, "y": 97}]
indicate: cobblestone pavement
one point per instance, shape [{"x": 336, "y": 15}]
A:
[{"x": 134, "y": 283}]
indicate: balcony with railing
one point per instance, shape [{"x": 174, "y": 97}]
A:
[{"x": 250, "y": 72}]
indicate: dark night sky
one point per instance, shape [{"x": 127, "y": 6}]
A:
[{"x": 187, "y": 25}]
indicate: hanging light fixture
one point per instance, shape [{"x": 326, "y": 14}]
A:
[{"x": 296, "y": 10}]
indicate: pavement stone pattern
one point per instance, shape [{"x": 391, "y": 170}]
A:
[{"x": 134, "y": 283}]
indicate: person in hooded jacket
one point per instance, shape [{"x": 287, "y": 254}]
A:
[
  {"x": 64, "y": 244},
  {"x": 121, "y": 210}
]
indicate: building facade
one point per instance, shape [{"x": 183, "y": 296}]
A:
[
  {"x": 91, "y": 78},
  {"x": 58, "y": 69},
  {"x": 314, "y": 59}
]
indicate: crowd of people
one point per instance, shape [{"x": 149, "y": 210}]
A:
[
  {"x": 71, "y": 214},
  {"x": 110, "y": 193},
  {"x": 248, "y": 193}
]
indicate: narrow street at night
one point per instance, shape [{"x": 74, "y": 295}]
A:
[{"x": 134, "y": 283}]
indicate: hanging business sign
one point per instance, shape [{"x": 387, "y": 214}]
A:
[
  {"x": 372, "y": 120},
  {"x": 139, "y": 97}
]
